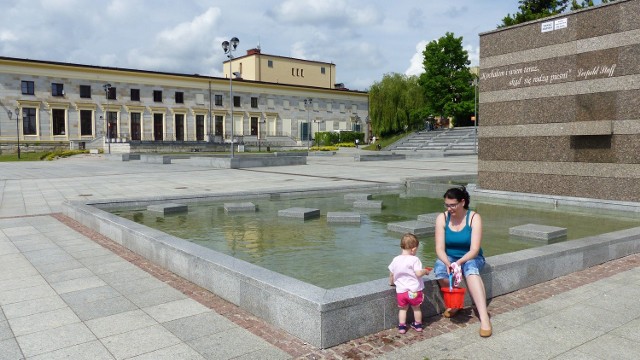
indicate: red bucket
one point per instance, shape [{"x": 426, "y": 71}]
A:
[{"x": 454, "y": 298}]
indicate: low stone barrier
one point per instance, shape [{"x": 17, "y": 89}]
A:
[
  {"x": 412, "y": 226},
  {"x": 379, "y": 157},
  {"x": 169, "y": 208},
  {"x": 299, "y": 213},
  {"x": 155, "y": 159},
  {"x": 248, "y": 161},
  {"x": 239, "y": 207},
  {"x": 343, "y": 217}
]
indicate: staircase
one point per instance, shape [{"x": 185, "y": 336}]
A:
[{"x": 444, "y": 142}]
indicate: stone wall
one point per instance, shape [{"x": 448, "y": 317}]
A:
[{"x": 560, "y": 105}]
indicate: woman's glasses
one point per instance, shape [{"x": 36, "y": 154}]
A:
[{"x": 451, "y": 206}]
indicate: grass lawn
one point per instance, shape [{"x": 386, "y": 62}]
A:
[
  {"x": 24, "y": 156},
  {"x": 38, "y": 156},
  {"x": 386, "y": 141}
]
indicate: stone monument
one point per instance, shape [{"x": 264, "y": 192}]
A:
[{"x": 560, "y": 105}]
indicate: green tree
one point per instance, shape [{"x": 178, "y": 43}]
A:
[
  {"x": 534, "y": 10},
  {"x": 393, "y": 104},
  {"x": 585, "y": 4},
  {"x": 537, "y": 9},
  {"x": 447, "y": 81}
]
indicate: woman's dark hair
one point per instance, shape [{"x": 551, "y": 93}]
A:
[{"x": 458, "y": 193}]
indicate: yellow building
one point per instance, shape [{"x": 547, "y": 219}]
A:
[
  {"x": 74, "y": 105},
  {"x": 282, "y": 70}
]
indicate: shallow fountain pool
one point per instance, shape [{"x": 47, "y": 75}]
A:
[{"x": 332, "y": 255}]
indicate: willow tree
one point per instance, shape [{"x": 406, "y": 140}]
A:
[{"x": 394, "y": 103}]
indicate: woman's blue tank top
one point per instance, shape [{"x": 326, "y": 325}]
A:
[{"x": 458, "y": 243}]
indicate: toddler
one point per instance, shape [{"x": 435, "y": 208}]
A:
[{"x": 406, "y": 275}]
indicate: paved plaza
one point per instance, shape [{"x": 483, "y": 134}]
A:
[{"x": 67, "y": 292}]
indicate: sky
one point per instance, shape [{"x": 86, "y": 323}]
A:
[{"x": 364, "y": 38}]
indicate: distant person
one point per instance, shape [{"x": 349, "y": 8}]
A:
[
  {"x": 379, "y": 147},
  {"x": 458, "y": 235},
  {"x": 373, "y": 140},
  {"x": 357, "y": 143},
  {"x": 406, "y": 274}
]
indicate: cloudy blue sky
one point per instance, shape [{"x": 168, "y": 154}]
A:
[{"x": 364, "y": 38}]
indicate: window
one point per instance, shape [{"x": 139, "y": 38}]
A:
[
  {"x": 111, "y": 93},
  {"x": 179, "y": 126},
  {"x": 236, "y": 101},
  {"x": 270, "y": 63},
  {"x": 254, "y": 102},
  {"x": 158, "y": 127},
  {"x": 219, "y": 121},
  {"x": 322, "y": 70},
  {"x": 28, "y": 88},
  {"x": 199, "y": 127},
  {"x": 85, "y": 91},
  {"x": 218, "y": 100},
  {"x": 302, "y": 72},
  {"x": 179, "y": 97},
  {"x": 57, "y": 89},
  {"x": 157, "y": 95},
  {"x": 293, "y": 72},
  {"x": 254, "y": 125},
  {"x": 200, "y": 99},
  {"x": 57, "y": 116},
  {"x": 85, "y": 122},
  {"x": 136, "y": 126},
  {"x": 135, "y": 94},
  {"x": 29, "y": 121}
]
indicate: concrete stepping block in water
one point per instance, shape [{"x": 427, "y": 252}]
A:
[
  {"x": 239, "y": 207},
  {"x": 412, "y": 226},
  {"x": 368, "y": 204},
  {"x": 300, "y": 213},
  {"x": 343, "y": 217},
  {"x": 428, "y": 218},
  {"x": 168, "y": 208},
  {"x": 538, "y": 232},
  {"x": 354, "y": 197}
]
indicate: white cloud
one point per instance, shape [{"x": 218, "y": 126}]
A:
[
  {"x": 117, "y": 8},
  {"x": 184, "y": 48},
  {"x": 474, "y": 54},
  {"x": 329, "y": 13},
  {"x": 188, "y": 33},
  {"x": 416, "y": 63},
  {"x": 6, "y": 35}
]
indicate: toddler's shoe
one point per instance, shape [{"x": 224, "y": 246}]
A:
[
  {"x": 416, "y": 326},
  {"x": 402, "y": 328}
]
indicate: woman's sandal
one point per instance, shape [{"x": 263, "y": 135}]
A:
[
  {"x": 402, "y": 328},
  {"x": 486, "y": 332},
  {"x": 449, "y": 313}
]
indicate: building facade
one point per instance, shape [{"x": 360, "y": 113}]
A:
[
  {"x": 282, "y": 70},
  {"x": 72, "y": 103},
  {"x": 560, "y": 105}
]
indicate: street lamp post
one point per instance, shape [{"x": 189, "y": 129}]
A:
[
  {"x": 17, "y": 126},
  {"x": 229, "y": 47},
  {"x": 307, "y": 105},
  {"x": 106, "y": 88},
  {"x": 475, "y": 113}
]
